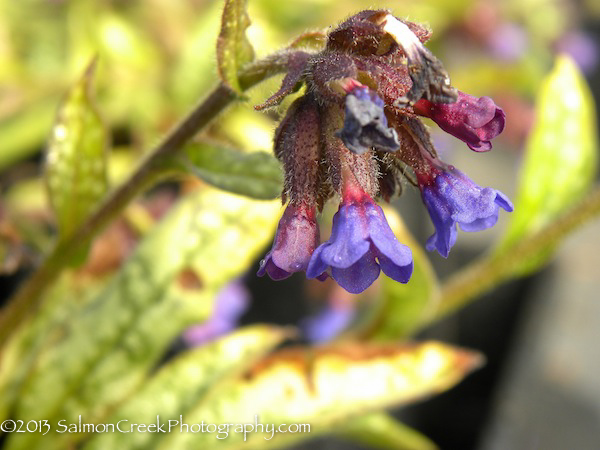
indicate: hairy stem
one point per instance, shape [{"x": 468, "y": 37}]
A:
[
  {"x": 486, "y": 273},
  {"x": 28, "y": 297}
]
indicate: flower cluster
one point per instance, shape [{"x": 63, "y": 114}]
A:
[{"x": 355, "y": 134}]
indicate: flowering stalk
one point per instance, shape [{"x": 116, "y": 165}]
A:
[
  {"x": 452, "y": 198},
  {"x": 365, "y": 91}
]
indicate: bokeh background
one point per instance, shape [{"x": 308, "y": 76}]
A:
[{"x": 156, "y": 58}]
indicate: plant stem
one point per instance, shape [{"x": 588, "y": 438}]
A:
[
  {"x": 28, "y": 296},
  {"x": 486, "y": 273}
]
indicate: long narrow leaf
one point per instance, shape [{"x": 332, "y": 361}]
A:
[
  {"x": 106, "y": 350},
  {"x": 321, "y": 389}
]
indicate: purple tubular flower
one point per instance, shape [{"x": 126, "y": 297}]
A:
[
  {"x": 333, "y": 319},
  {"x": 230, "y": 303},
  {"x": 476, "y": 121},
  {"x": 361, "y": 243},
  {"x": 365, "y": 124},
  {"x": 296, "y": 238},
  {"x": 453, "y": 198}
]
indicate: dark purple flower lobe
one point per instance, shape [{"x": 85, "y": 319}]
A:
[
  {"x": 453, "y": 198},
  {"x": 296, "y": 238},
  {"x": 476, "y": 121}
]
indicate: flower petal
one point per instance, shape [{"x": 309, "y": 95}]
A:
[
  {"x": 453, "y": 198},
  {"x": 316, "y": 266},
  {"x": 384, "y": 239},
  {"x": 475, "y": 121},
  {"x": 503, "y": 201},
  {"x": 444, "y": 236},
  {"x": 348, "y": 241},
  {"x": 480, "y": 224},
  {"x": 359, "y": 276},
  {"x": 443, "y": 239},
  {"x": 470, "y": 204},
  {"x": 267, "y": 266},
  {"x": 295, "y": 240},
  {"x": 478, "y": 112},
  {"x": 396, "y": 272}
]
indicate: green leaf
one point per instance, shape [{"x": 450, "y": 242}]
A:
[
  {"x": 379, "y": 430},
  {"x": 402, "y": 308},
  {"x": 104, "y": 353},
  {"x": 183, "y": 382},
  {"x": 560, "y": 161},
  {"x": 256, "y": 175},
  {"x": 322, "y": 388},
  {"x": 233, "y": 48},
  {"x": 63, "y": 301},
  {"x": 76, "y": 157}
]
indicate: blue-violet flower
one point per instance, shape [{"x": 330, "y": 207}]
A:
[
  {"x": 361, "y": 243},
  {"x": 453, "y": 198}
]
